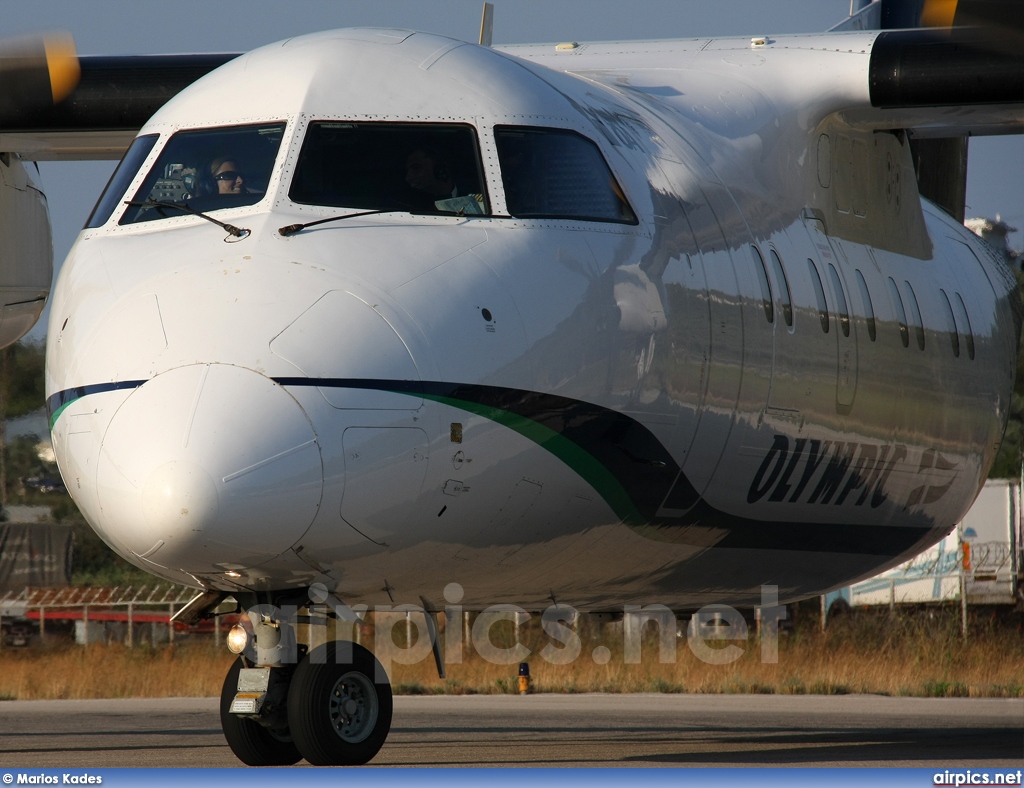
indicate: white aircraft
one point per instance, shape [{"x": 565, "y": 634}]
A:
[{"x": 372, "y": 311}]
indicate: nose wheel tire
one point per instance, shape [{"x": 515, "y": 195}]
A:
[
  {"x": 339, "y": 705},
  {"x": 253, "y": 744}
]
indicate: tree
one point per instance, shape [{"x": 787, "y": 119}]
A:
[
  {"x": 1010, "y": 456},
  {"x": 22, "y": 367}
]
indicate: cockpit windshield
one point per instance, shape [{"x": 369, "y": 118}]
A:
[
  {"x": 208, "y": 169},
  {"x": 558, "y": 174},
  {"x": 414, "y": 167}
]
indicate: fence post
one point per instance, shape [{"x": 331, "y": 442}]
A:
[
  {"x": 170, "y": 624},
  {"x": 42, "y": 624},
  {"x": 131, "y": 626},
  {"x": 824, "y": 613},
  {"x": 216, "y": 631},
  {"x": 963, "y": 606}
]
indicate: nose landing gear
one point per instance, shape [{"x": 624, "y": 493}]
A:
[{"x": 333, "y": 709}]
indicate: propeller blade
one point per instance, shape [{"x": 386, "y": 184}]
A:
[{"x": 37, "y": 71}]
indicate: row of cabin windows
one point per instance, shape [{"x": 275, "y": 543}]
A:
[{"x": 957, "y": 321}]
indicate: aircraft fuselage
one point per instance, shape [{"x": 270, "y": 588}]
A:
[{"x": 756, "y": 357}]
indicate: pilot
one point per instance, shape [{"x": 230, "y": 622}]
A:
[
  {"x": 427, "y": 171},
  {"x": 430, "y": 173},
  {"x": 227, "y": 176}
]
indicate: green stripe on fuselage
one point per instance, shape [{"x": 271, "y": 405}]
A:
[
  {"x": 581, "y": 461},
  {"x": 56, "y": 414}
]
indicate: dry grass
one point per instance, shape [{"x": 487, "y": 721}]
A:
[
  {"x": 112, "y": 671},
  {"x": 902, "y": 655},
  {"x": 886, "y": 656}
]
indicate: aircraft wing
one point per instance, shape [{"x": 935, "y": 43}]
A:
[
  {"x": 100, "y": 116},
  {"x": 936, "y": 86},
  {"x": 930, "y": 82},
  {"x": 941, "y": 83}
]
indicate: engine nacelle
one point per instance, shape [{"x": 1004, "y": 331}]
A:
[{"x": 26, "y": 248}]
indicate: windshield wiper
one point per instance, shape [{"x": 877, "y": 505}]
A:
[
  {"x": 291, "y": 229},
  {"x": 238, "y": 232}
]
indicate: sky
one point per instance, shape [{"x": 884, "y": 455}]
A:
[{"x": 115, "y": 27}]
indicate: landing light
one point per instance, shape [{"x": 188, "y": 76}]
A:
[{"x": 238, "y": 639}]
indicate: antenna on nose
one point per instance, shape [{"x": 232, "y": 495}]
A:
[{"x": 487, "y": 25}]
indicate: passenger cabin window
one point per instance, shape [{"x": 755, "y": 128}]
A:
[
  {"x": 844, "y": 309},
  {"x": 766, "y": 290},
  {"x": 414, "y": 167},
  {"x": 951, "y": 328},
  {"x": 915, "y": 313},
  {"x": 964, "y": 320},
  {"x": 901, "y": 313},
  {"x": 869, "y": 308},
  {"x": 780, "y": 277},
  {"x": 819, "y": 295},
  {"x": 558, "y": 174}
]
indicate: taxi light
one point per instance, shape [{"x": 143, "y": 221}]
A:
[{"x": 238, "y": 639}]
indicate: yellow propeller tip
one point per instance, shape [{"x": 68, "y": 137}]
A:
[
  {"x": 938, "y": 13},
  {"x": 62, "y": 61}
]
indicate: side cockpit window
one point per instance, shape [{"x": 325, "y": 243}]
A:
[
  {"x": 414, "y": 167},
  {"x": 558, "y": 174},
  {"x": 123, "y": 175},
  {"x": 207, "y": 170}
]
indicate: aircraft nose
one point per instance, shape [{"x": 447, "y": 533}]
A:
[
  {"x": 180, "y": 495},
  {"x": 209, "y": 468}
]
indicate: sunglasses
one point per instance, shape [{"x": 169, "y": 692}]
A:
[{"x": 228, "y": 175}]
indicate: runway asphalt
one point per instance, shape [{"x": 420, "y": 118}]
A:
[{"x": 555, "y": 730}]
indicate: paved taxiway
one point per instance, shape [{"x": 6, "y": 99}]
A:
[{"x": 555, "y": 730}]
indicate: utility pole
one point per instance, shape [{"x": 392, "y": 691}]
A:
[{"x": 5, "y": 379}]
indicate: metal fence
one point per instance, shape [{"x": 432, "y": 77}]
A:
[{"x": 106, "y": 608}]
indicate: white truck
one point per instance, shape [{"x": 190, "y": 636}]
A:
[{"x": 981, "y": 561}]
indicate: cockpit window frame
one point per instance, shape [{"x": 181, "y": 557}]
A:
[
  {"x": 628, "y": 216},
  {"x": 145, "y": 181},
  {"x": 121, "y": 179},
  {"x": 468, "y": 163}
]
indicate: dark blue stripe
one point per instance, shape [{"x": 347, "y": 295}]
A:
[
  {"x": 55, "y": 402},
  {"x": 637, "y": 458},
  {"x": 651, "y": 476}
]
